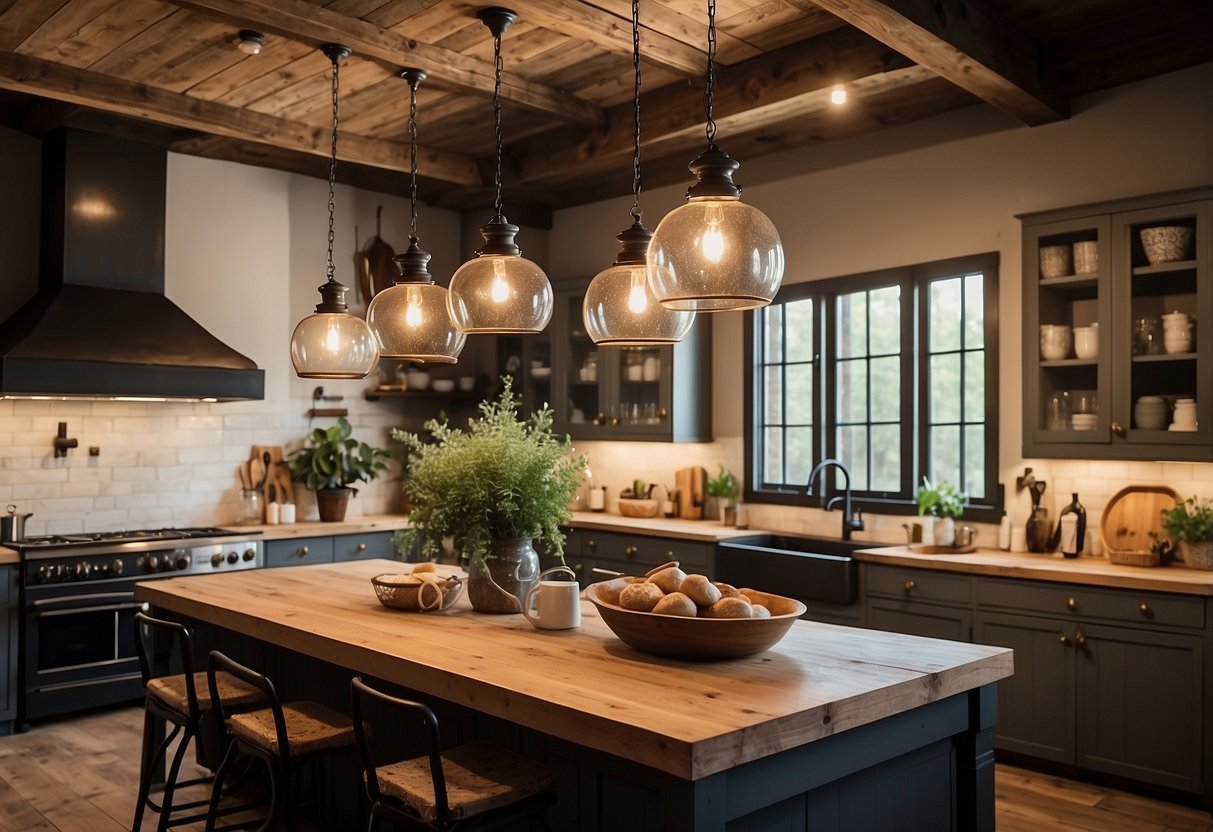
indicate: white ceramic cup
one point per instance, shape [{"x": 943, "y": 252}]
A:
[
  {"x": 1086, "y": 341},
  {"x": 1054, "y": 342},
  {"x": 554, "y": 605},
  {"x": 286, "y": 513}
]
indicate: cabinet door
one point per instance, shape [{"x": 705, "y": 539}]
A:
[
  {"x": 10, "y": 610},
  {"x": 918, "y": 619},
  {"x": 1139, "y": 705},
  {"x": 299, "y": 550},
  {"x": 1035, "y": 706},
  {"x": 363, "y": 546}
]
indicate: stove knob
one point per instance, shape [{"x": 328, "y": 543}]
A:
[
  {"x": 182, "y": 562},
  {"x": 232, "y": 557},
  {"x": 250, "y": 554},
  {"x": 62, "y": 573},
  {"x": 116, "y": 567},
  {"x": 45, "y": 574},
  {"x": 217, "y": 560},
  {"x": 81, "y": 571},
  {"x": 152, "y": 562}
]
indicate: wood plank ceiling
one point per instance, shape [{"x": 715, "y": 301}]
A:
[{"x": 169, "y": 70}]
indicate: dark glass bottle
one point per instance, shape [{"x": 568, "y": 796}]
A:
[{"x": 1071, "y": 546}]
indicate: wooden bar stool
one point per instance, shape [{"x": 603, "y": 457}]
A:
[
  {"x": 180, "y": 700},
  {"x": 472, "y": 786},
  {"x": 282, "y": 736}
]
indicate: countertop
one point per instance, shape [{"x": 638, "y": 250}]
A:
[
  {"x": 1090, "y": 571},
  {"x": 690, "y": 719},
  {"x": 707, "y": 531},
  {"x": 8, "y": 556},
  {"x": 314, "y": 528}
]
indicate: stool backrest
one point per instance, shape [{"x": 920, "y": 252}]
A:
[
  {"x": 422, "y": 713},
  {"x": 145, "y": 628},
  {"x": 217, "y": 662}
]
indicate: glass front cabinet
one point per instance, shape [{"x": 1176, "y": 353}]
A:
[
  {"x": 1118, "y": 330},
  {"x": 639, "y": 393}
]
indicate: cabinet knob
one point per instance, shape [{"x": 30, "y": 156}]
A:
[
  {"x": 1119, "y": 429},
  {"x": 361, "y": 547},
  {"x": 669, "y": 554},
  {"x": 631, "y": 552},
  {"x": 909, "y": 586},
  {"x": 592, "y": 545},
  {"x": 1072, "y": 604},
  {"x": 1065, "y": 640},
  {"x": 303, "y": 550},
  {"x": 1145, "y": 610},
  {"x": 1080, "y": 640},
  {"x": 662, "y": 413}
]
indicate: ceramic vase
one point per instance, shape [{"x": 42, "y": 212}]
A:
[
  {"x": 331, "y": 503},
  {"x": 499, "y": 581},
  {"x": 945, "y": 531}
]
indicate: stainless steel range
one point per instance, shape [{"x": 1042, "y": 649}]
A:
[{"x": 78, "y": 607}]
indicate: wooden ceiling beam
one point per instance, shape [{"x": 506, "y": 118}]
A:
[
  {"x": 300, "y": 20},
  {"x": 22, "y": 73},
  {"x": 965, "y": 41},
  {"x": 795, "y": 76}
]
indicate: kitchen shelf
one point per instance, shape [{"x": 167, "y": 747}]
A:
[
  {"x": 453, "y": 396},
  {"x": 1165, "y": 268},
  {"x": 1073, "y": 281},
  {"x": 1152, "y": 359},
  {"x": 1070, "y": 362}
]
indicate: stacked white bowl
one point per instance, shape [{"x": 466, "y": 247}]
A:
[
  {"x": 1177, "y": 332},
  {"x": 1055, "y": 341},
  {"x": 1150, "y": 413},
  {"x": 1185, "y": 415}
]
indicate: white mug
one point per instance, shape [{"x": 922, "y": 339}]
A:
[{"x": 554, "y": 605}]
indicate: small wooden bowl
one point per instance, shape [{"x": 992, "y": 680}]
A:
[
  {"x": 697, "y": 638},
  {"x": 638, "y": 508}
]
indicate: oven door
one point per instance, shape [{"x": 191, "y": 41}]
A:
[{"x": 80, "y": 647}]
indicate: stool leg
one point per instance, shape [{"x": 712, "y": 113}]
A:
[
  {"x": 170, "y": 782},
  {"x": 212, "y": 812},
  {"x": 147, "y": 763}
]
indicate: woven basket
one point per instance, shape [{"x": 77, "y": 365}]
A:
[
  {"x": 416, "y": 596},
  {"x": 1197, "y": 553}
]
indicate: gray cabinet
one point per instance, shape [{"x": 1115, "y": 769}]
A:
[
  {"x": 917, "y": 602},
  {"x": 363, "y": 546},
  {"x": 632, "y": 554},
  {"x": 297, "y": 551},
  {"x": 1121, "y": 287}
]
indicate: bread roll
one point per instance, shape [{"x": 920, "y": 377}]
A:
[
  {"x": 641, "y": 597},
  {"x": 676, "y": 604},
  {"x": 727, "y": 590},
  {"x": 399, "y": 580},
  {"x": 657, "y": 569},
  {"x": 426, "y": 566},
  {"x": 668, "y": 579},
  {"x": 759, "y": 611},
  {"x": 730, "y": 608},
  {"x": 609, "y": 591},
  {"x": 752, "y": 595},
  {"x": 700, "y": 590}
]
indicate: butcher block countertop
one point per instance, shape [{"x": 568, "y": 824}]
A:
[
  {"x": 705, "y": 531},
  {"x": 8, "y": 556},
  {"x": 314, "y": 528},
  {"x": 585, "y": 686},
  {"x": 1090, "y": 571}
]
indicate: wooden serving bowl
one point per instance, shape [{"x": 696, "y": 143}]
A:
[{"x": 680, "y": 637}]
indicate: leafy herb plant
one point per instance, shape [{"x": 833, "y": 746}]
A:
[
  {"x": 723, "y": 485},
  {"x": 942, "y": 500},
  {"x": 1191, "y": 520},
  {"x": 333, "y": 459},
  {"x": 504, "y": 478}
]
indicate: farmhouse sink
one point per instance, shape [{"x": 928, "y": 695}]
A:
[{"x": 808, "y": 568}]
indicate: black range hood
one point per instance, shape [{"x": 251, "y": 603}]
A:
[{"x": 100, "y": 325}]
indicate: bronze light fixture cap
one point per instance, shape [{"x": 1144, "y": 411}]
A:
[{"x": 713, "y": 171}]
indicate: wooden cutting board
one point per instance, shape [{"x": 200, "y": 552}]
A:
[
  {"x": 690, "y": 484},
  {"x": 1131, "y": 515},
  {"x": 278, "y": 476}
]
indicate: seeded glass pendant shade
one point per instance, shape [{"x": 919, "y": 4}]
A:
[
  {"x": 715, "y": 253},
  {"x": 332, "y": 343},
  {"x": 410, "y": 318},
  {"x": 500, "y": 292}
]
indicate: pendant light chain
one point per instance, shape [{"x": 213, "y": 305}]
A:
[
  {"x": 333, "y": 169},
  {"x": 711, "y": 81},
  {"x": 497, "y": 117},
  {"x": 413, "y": 158},
  {"x": 636, "y": 213}
]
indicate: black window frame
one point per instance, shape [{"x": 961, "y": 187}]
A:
[{"x": 914, "y": 281}]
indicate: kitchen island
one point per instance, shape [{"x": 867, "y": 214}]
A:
[{"x": 834, "y": 727}]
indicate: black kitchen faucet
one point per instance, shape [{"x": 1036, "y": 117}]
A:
[{"x": 851, "y": 521}]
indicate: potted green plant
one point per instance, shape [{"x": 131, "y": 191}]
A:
[
  {"x": 945, "y": 503},
  {"x": 330, "y": 461},
  {"x": 497, "y": 488},
  {"x": 1190, "y": 525},
  {"x": 723, "y": 490}
]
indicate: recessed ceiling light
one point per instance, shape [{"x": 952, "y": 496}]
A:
[
  {"x": 838, "y": 95},
  {"x": 250, "y": 42}
]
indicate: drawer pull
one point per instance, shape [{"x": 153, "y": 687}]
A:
[
  {"x": 1065, "y": 640},
  {"x": 631, "y": 552},
  {"x": 669, "y": 554},
  {"x": 909, "y": 586},
  {"x": 1145, "y": 610},
  {"x": 361, "y": 547},
  {"x": 1072, "y": 604},
  {"x": 1080, "y": 640},
  {"x": 303, "y": 550},
  {"x": 592, "y": 545}
]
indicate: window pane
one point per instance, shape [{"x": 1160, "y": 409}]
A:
[
  {"x": 944, "y": 315},
  {"x": 886, "y": 389},
  {"x": 800, "y": 455},
  {"x": 853, "y": 451},
  {"x": 945, "y": 454},
  {"x": 975, "y": 386},
  {"x": 852, "y": 324},
  {"x": 772, "y": 325},
  {"x": 800, "y": 394},
  {"x": 944, "y": 384},
  {"x": 885, "y": 320},
  {"x": 772, "y": 457},
  {"x": 975, "y": 461},
  {"x": 799, "y": 316},
  {"x": 886, "y": 458},
  {"x": 773, "y": 390},
  {"x": 853, "y": 391},
  {"x": 975, "y": 311}
]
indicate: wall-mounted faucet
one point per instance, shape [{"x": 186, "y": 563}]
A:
[
  {"x": 851, "y": 521},
  {"x": 62, "y": 441}
]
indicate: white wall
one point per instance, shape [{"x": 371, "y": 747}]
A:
[{"x": 940, "y": 188}]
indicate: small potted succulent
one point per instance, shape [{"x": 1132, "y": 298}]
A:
[
  {"x": 332, "y": 460},
  {"x": 1190, "y": 525},
  {"x": 945, "y": 503}
]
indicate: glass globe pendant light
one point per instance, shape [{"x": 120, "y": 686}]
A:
[
  {"x": 715, "y": 253},
  {"x": 619, "y": 308},
  {"x": 500, "y": 292},
  {"x": 332, "y": 343},
  {"x": 410, "y": 318}
]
